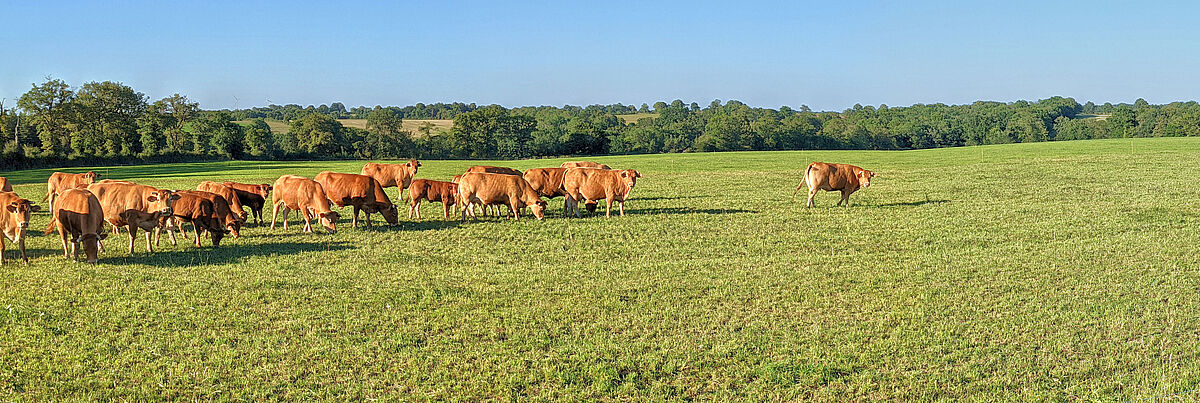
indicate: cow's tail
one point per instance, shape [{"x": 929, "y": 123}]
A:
[
  {"x": 802, "y": 182},
  {"x": 50, "y": 229}
]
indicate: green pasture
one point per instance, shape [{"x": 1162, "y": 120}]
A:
[{"x": 1047, "y": 271}]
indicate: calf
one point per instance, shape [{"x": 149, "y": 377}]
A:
[
  {"x": 305, "y": 196},
  {"x": 230, "y": 196},
  {"x": 593, "y": 184},
  {"x": 133, "y": 206},
  {"x": 252, "y": 196},
  {"x": 834, "y": 177},
  {"x": 60, "y": 181},
  {"x": 5, "y": 186},
  {"x": 388, "y": 175},
  {"x": 584, "y": 164},
  {"x": 433, "y": 191},
  {"x": 510, "y": 190},
  {"x": 360, "y": 191},
  {"x": 14, "y": 219},
  {"x": 205, "y": 211},
  {"x": 79, "y": 215}
]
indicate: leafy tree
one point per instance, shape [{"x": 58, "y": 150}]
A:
[
  {"x": 258, "y": 139},
  {"x": 317, "y": 134}
]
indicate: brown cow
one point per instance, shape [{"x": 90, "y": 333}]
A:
[
  {"x": 5, "y": 186},
  {"x": 360, "y": 191},
  {"x": 388, "y": 175},
  {"x": 205, "y": 211},
  {"x": 594, "y": 184},
  {"x": 493, "y": 170},
  {"x": 133, "y": 206},
  {"x": 78, "y": 214},
  {"x": 252, "y": 196},
  {"x": 510, "y": 190},
  {"x": 230, "y": 196},
  {"x": 305, "y": 196},
  {"x": 433, "y": 191},
  {"x": 548, "y": 182},
  {"x": 584, "y": 164},
  {"x": 60, "y": 181},
  {"x": 830, "y": 177},
  {"x": 14, "y": 219}
]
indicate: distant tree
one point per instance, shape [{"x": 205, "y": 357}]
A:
[
  {"x": 386, "y": 137},
  {"x": 317, "y": 134},
  {"x": 258, "y": 139},
  {"x": 49, "y": 105}
]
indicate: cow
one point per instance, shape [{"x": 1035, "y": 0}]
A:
[
  {"x": 133, "y": 206},
  {"x": 433, "y": 191},
  {"x": 360, "y": 191},
  {"x": 79, "y": 219},
  {"x": 305, "y": 196},
  {"x": 548, "y": 182},
  {"x": 834, "y": 177},
  {"x": 493, "y": 170},
  {"x": 388, "y": 175},
  {"x": 205, "y": 211},
  {"x": 489, "y": 188},
  {"x": 584, "y": 164},
  {"x": 594, "y": 184},
  {"x": 14, "y": 219},
  {"x": 252, "y": 196},
  {"x": 60, "y": 181},
  {"x": 230, "y": 196},
  {"x": 5, "y": 186}
]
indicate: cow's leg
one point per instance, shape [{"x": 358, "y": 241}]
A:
[
  {"x": 197, "y": 229},
  {"x": 811, "y": 194},
  {"x": 1, "y": 250},
  {"x": 149, "y": 247},
  {"x": 608, "y": 206},
  {"x": 846, "y": 197},
  {"x": 512, "y": 206},
  {"x": 132, "y": 236},
  {"x": 21, "y": 245},
  {"x": 274, "y": 214},
  {"x": 307, "y": 222},
  {"x": 622, "y": 204},
  {"x": 445, "y": 210},
  {"x": 75, "y": 249},
  {"x": 63, "y": 234},
  {"x": 412, "y": 206},
  {"x": 354, "y": 221}
]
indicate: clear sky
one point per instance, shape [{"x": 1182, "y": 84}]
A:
[{"x": 828, "y": 55}]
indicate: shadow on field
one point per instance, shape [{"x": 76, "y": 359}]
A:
[
  {"x": 403, "y": 226},
  {"x": 665, "y": 198},
  {"x": 912, "y": 203},
  {"x": 224, "y": 254},
  {"x": 677, "y": 210}
]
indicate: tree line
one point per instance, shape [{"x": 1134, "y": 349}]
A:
[{"x": 98, "y": 122}]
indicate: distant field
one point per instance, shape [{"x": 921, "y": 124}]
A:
[
  {"x": 1102, "y": 116},
  {"x": 633, "y": 118},
  {"x": 1057, "y": 271},
  {"x": 409, "y": 124}
]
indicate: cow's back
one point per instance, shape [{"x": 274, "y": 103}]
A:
[
  {"x": 5, "y": 186},
  {"x": 118, "y": 198},
  {"x": 297, "y": 191},
  {"x": 547, "y": 182},
  {"x": 493, "y": 170},
  {"x": 831, "y": 176},
  {"x": 490, "y": 187},
  {"x": 344, "y": 189},
  {"x": 78, "y": 211},
  {"x": 584, "y": 164}
]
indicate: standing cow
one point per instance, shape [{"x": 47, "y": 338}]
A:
[
  {"x": 79, "y": 220},
  {"x": 388, "y": 175},
  {"x": 595, "y": 184},
  {"x": 133, "y": 206},
  {"x": 60, "y": 181},
  {"x": 14, "y": 219},
  {"x": 230, "y": 196},
  {"x": 834, "y": 177},
  {"x": 511, "y": 190},
  {"x": 307, "y": 197},
  {"x": 433, "y": 191},
  {"x": 360, "y": 191},
  {"x": 252, "y": 196}
]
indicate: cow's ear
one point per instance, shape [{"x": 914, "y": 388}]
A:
[
  {"x": 35, "y": 208},
  {"x": 102, "y": 236},
  {"x": 12, "y": 208},
  {"x": 152, "y": 198},
  {"x": 637, "y": 174},
  {"x": 872, "y": 174},
  {"x": 624, "y": 174}
]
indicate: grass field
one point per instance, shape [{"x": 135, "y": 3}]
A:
[
  {"x": 633, "y": 117},
  {"x": 1050, "y": 271}
]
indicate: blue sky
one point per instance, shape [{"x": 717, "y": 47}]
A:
[{"x": 827, "y": 55}]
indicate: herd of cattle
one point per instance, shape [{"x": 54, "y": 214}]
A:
[{"x": 81, "y": 204}]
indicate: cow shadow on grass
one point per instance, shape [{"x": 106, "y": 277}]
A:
[
  {"x": 677, "y": 210},
  {"x": 404, "y": 225},
  {"x": 635, "y": 198},
  {"x": 912, "y": 203},
  {"x": 224, "y": 254}
]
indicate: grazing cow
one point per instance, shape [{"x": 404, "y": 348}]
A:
[
  {"x": 584, "y": 164},
  {"x": 594, "y": 184},
  {"x": 548, "y": 182},
  {"x": 388, "y": 175},
  {"x": 79, "y": 219},
  {"x": 433, "y": 191},
  {"x": 14, "y": 219},
  {"x": 230, "y": 196},
  {"x": 493, "y": 170},
  {"x": 252, "y": 196},
  {"x": 510, "y": 190},
  {"x": 60, "y": 181},
  {"x": 133, "y": 206},
  {"x": 360, "y": 191},
  {"x": 4, "y": 185},
  {"x": 205, "y": 211},
  {"x": 830, "y": 177},
  {"x": 305, "y": 196}
]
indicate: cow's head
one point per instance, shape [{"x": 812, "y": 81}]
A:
[
  {"x": 233, "y": 227},
  {"x": 91, "y": 245},
  {"x": 539, "y": 209},
  {"x": 329, "y": 221},
  {"x": 410, "y": 171},
  {"x": 220, "y": 234},
  {"x": 90, "y": 177},
  {"x": 864, "y": 177},
  {"x": 390, "y": 213},
  {"x": 264, "y": 190},
  {"x": 629, "y": 178},
  {"x": 161, "y": 201},
  {"x": 18, "y": 212}
]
